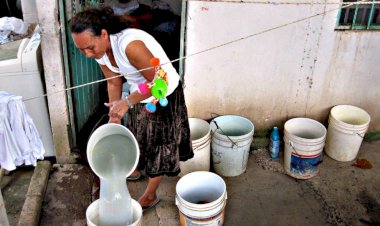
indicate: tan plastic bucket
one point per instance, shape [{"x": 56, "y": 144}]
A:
[
  {"x": 200, "y": 139},
  {"x": 347, "y": 127}
]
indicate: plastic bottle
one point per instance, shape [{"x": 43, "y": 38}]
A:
[{"x": 274, "y": 146}]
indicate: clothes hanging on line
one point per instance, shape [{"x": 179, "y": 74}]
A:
[{"x": 20, "y": 142}]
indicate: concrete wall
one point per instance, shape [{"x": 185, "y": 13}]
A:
[
  {"x": 29, "y": 11},
  {"x": 298, "y": 70},
  {"x": 55, "y": 80}
]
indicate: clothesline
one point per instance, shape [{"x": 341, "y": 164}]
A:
[
  {"x": 288, "y": 2},
  {"x": 205, "y": 50}
]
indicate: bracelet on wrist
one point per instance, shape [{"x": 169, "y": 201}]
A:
[{"x": 130, "y": 105}]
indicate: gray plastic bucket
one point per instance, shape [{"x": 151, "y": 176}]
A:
[{"x": 232, "y": 136}]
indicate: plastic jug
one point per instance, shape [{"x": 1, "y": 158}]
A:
[{"x": 274, "y": 146}]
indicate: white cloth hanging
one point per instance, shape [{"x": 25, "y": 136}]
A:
[{"x": 20, "y": 142}]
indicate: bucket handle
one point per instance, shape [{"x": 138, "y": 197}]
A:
[
  {"x": 291, "y": 145},
  {"x": 97, "y": 124},
  {"x": 362, "y": 136},
  {"x": 361, "y": 132},
  {"x": 217, "y": 127}
]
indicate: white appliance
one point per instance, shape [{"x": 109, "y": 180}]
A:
[{"x": 20, "y": 74}]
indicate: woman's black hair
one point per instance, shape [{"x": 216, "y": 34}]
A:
[{"x": 96, "y": 19}]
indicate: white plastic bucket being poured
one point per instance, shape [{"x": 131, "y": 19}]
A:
[
  {"x": 200, "y": 139},
  {"x": 201, "y": 198},
  {"x": 304, "y": 140},
  {"x": 232, "y": 136},
  {"x": 113, "y": 154},
  {"x": 347, "y": 127}
]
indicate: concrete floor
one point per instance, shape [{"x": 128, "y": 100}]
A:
[
  {"x": 341, "y": 194},
  {"x": 14, "y": 188}
]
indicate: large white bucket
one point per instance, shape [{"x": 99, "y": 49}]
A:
[
  {"x": 231, "y": 141},
  {"x": 304, "y": 140},
  {"x": 201, "y": 198},
  {"x": 200, "y": 139},
  {"x": 92, "y": 213},
  {"x": 128, "y": 163},
  {"x": 347, "y": 127}
]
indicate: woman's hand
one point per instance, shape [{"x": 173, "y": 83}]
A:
[{"x": 117, "y": 110}]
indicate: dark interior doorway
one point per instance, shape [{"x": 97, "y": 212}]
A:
[
  {"x": 10, "y": 8},
  {"x": 160, "y": 18}
]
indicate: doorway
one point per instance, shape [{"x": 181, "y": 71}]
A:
[{"x": 160, "y": 18}]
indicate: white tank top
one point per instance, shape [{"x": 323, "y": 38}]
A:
[{"x": 119, "y": 43}]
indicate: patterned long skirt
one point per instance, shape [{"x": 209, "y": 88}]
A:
[{"x": 163, "y": 136}]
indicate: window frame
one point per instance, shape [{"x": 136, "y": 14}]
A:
[{"x": 354, "y": 25}]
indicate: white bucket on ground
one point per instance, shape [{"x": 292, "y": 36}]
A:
[
  {"x": 232, "y": 136},
  {"x": 200, "y": 139},
  {"x": 92, "y": 213},
  {"x": 304, "y": 140},
  {"x": 347, "y": 127},
  {"x": 201, "y": 198}
]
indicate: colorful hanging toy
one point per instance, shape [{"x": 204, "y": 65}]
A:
[{"x": 158, "y": 87}]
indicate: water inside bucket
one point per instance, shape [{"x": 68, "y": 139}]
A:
[
  {"x": 307, "y": 135},
  {"x": 232, "y": 126},
  {"x": 231, "y": 132},
  {"x": 350, "y": 114},
  {"x": 355, "y": 122},
  {"x": 114, "y": 156},
  {"x": 206, "y": 196}
]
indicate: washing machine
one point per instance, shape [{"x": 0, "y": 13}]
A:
[{"x": 21, "y": 75}]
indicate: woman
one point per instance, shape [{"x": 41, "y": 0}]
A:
[{"x": 163, "y": 136}]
